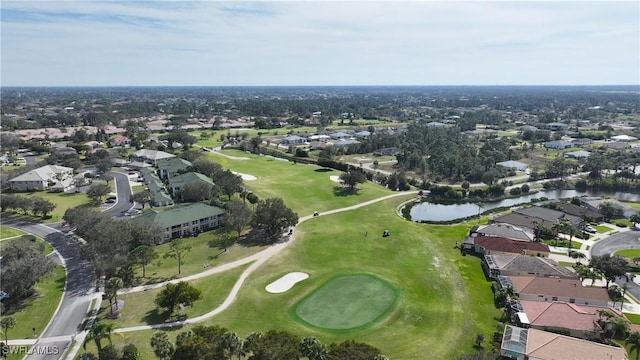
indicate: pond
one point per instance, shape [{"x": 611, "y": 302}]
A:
[{"x": 427, "y": 211}]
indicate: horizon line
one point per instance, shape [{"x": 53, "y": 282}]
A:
[{"x": 312, "y": 86}]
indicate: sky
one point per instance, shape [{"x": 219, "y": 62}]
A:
[{"x": 307, "y": 43}]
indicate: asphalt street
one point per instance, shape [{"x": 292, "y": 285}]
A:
[
  {"x": 623, "y": 240},
  {"x": 123, "y": 202},
  {"x": 77, "y": 297}
]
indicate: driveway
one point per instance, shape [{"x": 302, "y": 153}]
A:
[{"x": 79, "y": 289}]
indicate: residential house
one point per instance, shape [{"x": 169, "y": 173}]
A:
[
  {"x": 558, "y": 144},
  {"x": 435, "y": 124},
  {"x": 581, "y": 142},
  {"x": 120, "y": 140},
  {"x": 496, "y": 245},
  {"x": 581, "y": 154},
  {"x": 183, "y": 221},
  {"x": 556, "y": 126},
  {"x": 315, "y": 145},
  {"x": 150, "y": 156},
  {"x": 364, "y": 134},
  {"x": 513, "y": 165},
  {"x": 319, "y": 137},
  {"x": 593, "y": 203},
  {"x": 293, "y": 140},
  {"x": 580, "y": 320},
  {"x": 528, "y": 223},
  {"x": 577, "y": 210},
  {"x": 525, "y": 128},
  {"x": 548, "y": 289},
  {"x": 626, "y": 138},
  {"x": 44, "y": 178},
  {"x": 520, "y": 265},
  {"x": 340, "y": 135},
  {"x": 533, "y": 344},
  {"x": 178, "y": 182},
  {"x": 172, "y": 166},
  {"x": 616, "y": 145},
  {"x": 159, "y": 196},
  {"x": 345, "y": 143},
  {"x": 503, "y": 230},
  {"x": 548, "y": 215},
  {"x": 392, "y": 151}
]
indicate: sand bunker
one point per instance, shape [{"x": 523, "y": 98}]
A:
[
  {"x": 246, "y": 176},
  {"x": 286, "y": 282},
  {"x": 335, "y": 178}
]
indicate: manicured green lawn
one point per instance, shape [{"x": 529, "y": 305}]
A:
[
  {"x": 634, "y": 205},
  {"x": 564, "y": 243},
  {"x": 602, "y": 228},
  {"x": 347, "y": 302},
  {"x": 63, "y": 202},
  {"x": 140, "y": 309},
  {"x": 634, "y": 318},
  {"x": 37, "y": 311},
  {"x": 628, "y": 253},
  {"x": 304, "y": 188},
  {"x": 201, "y": 253},
  {"x": 8, "y": 232},
  {"x": 445, "y": 299}
]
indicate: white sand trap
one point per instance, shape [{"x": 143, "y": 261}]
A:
[
  {"x": 246, "y": 176},
  {"x": 286, "y": 282},
  {"x": 335, "y": 178}
]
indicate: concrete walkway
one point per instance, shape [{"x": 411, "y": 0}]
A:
[{"x": 258, "y": 259}]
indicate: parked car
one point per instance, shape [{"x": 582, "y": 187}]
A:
[
  {"x": 110, "y": 201},
  {"x": 590, "y": 229}
]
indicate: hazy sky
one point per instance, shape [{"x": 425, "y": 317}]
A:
[{"x": 68, "y": 43}]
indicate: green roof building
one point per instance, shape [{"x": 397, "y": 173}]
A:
[
  {"x": 178, "y": 182},
  {"x": 171, "y": 167},
  {"x": 182, "y": 221}
]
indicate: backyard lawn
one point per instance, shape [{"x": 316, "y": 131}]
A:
[
  {"x": 602, "y": 228},
  {"x": 63, "y": 202}
]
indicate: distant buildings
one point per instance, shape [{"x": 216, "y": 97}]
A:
[{"x": 49, "y": 177}]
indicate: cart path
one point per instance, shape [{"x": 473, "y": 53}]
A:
[{"x": 258, "y": 259}]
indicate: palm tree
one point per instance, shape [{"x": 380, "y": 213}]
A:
[
  {"x": 7, "y": 323},
  {"x": 111, "y": 291},
  {"x": 634, "y": 340},
  {"x": 538, "y": 228},
  {"x": 99, "y": 331},
  {"x": 619, "y": 325}
]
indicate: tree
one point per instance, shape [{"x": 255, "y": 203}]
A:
[
  {"x": 634, "y": 340},
  {"x": 352, "y": 178},
  {"x": 111, "y": 291},
  {"x": 108, "y": 352},
  {"x": 272, "y": 216},
  {"x": 252, "y": 199},
  {"x": 41, "y": 205},
  {"x": 143, "y": 255},
  {"x": 229, "y": 183},
  {"x": 181, "y": 293},
  {"x": 130, "y": 352},
  {"x": 142, "y": 197},
  {"x": 178, "y": 249},
  {"x": 635, "y": 218},
  {"x": 202, "y": 342},
  {"x": 99, "y": 331},
  {"x": 352, "y": 350},
  {"x": 276, "y": 345},
  {"x": 231, "y": 345},
  {"x": 313, "y": 349},
  {"x": 208, "y": 168},
  {"x": 97, "y": 192},
  {"x": 611, "y": 267},
  {"x": 7, "y": 322},
  {"x": 23, "y": 264},
  {"x": 479, "y": 340},
  {"x": 238, "y": 216},
  {"x": 196, "y": 192},
  {"x": 162, "y": 347},
  {"x": 609, "y": 211}
]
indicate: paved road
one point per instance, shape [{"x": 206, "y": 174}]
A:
[
  {"x": 123, "y": 191},
  {"x": 78, "y": 289},
  {"x": 619, "y": 241}
]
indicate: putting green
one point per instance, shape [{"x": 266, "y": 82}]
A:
[{"x": 347, "y": 302}]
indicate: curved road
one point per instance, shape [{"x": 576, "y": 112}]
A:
[
  {"x": 79, "y": 289},
  {"x": 123, "y": 191},
  {"x": 619, "y": 241}
]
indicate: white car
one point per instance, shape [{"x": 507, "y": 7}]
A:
[{"x": 590, "y": 229}]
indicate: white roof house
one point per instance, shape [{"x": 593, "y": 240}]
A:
[
  {"x": 151, "y": 156},
  {"x": 624, "y": 138},
  {"x": 43, "y": 178},
  {"x": 513, "y": 165}
]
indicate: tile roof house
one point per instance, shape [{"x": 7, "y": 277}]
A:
[
  {"x": 43, "y": 178},
  {"x": 558, "y": 144},
  {"x": 534, "y": 344},
  {"x": 616, "y": 145},
  {"x": 293, "y": 140},
  {"x": 581, "y": 320},
  {"x": 576, "y": 210},
  {"x": 496, "y": 245},
  {"x": 120, "y": 140},
  {"x": 547, "y": 289},
  {"x": 504, "y": 230},
  {"x": 182, "y": 221},
  {"x": 520, "y": 265}
]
